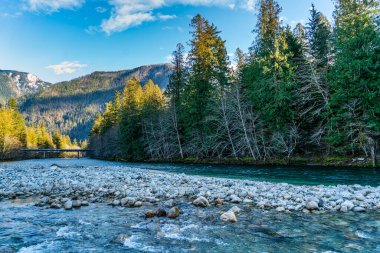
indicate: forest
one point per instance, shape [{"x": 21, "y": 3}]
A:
[
  {"x": 15, "y": 135},
  {"x": 309, "y": 91}
]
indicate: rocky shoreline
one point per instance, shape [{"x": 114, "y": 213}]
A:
[{"x": 72, "y": 186}]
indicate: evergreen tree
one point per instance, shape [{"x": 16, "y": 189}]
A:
[
  {"x": 355, "y": 77},
  {"x": 131, "y": 130},
  {"x": 319, "y": 34}
]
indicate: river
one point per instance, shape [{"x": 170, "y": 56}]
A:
[{"x": 102, "y": 228}]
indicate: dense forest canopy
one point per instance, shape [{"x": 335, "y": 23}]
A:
[{"x": 314, "y": 89}]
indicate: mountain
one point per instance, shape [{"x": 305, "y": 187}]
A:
[
  {"x": 71, "y": 106},
  {"x": 17, "y": 84}
]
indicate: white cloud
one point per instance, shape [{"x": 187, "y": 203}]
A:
[
  {"x": 168, "y": 58},
  {"x": 100, "y": 9},
  {"x": 166, "y": 17},
  {"x": 53, "y": 5},
  {"x": 129, "y": 13},
  {"x": 66, "y": 67}
]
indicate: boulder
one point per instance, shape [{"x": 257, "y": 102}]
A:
[
  {"x": 68, "y": 205},
  {"x": 358, "y": 209},
  {"x": 173, "y": 213},
  {"x": 150, "y": 214},
  {"x": 228, "y": 216},
  {"x": 236, "y": 210},
  {"x": 346, "y": 206},
  {"x": 312, "y": 205},
  {"x": 77, "y": 203},
  {"x": 116, "y": 202},
  {"x": 219, "y": 201},
  {"x": 235, "y": 199},
  {"x": 201, "y": 202},
  {"x": 161, "y": 212}
]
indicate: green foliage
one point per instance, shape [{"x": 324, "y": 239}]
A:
[
  {"x": 312, "y": 90},
  {"x": 355, "y": 77}
]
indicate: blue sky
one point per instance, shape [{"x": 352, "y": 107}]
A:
[{"x": 62, "y": 39}]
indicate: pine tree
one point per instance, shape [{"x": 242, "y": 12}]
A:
[
  {"x": 355, "y": 78},
  {"x": 319, "y": 35},
  {"x": 130, "y": 125}
]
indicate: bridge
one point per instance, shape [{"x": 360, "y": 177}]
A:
[{"x": 45, "y": 151}]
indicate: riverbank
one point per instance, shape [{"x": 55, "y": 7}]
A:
[
  {"x": 53, "y": 183},
  {"x": 325, "y": 161}
]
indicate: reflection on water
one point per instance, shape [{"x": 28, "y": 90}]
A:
[{"x": 101, "y": 228}]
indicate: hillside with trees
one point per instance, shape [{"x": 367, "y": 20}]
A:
[
  {"x": 15, "y": 135},
  {"x": 71, "y": 106},
  {"x": 309, "y": 91}
]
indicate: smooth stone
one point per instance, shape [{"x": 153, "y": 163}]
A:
[
  {"x": 346, "y": 206},
  {"x": 169, "y": 203},
  {"x": 77, "y": 203},
  {"x": 161, "y": 212},
  {"x": 312, "y": 205},
  {"x": 235, "y": 199},
  {"x": 68, "y": 205},
  {"x": 138, "y": 204},
  {"x": 247, "y": 201},
  {"x": 358, "y": 209},
  {"x": 173, "y": 213},
  {"x": 236, "y": 210},
  {"x": 55, "y": 206},
  {"x": 85, "y": 203},
  {"x": 150, "y": 214},
  {"x": 280, "y": 209},
  {"x": 228, "y": 216},
  {"x": 201, "y": 202}
]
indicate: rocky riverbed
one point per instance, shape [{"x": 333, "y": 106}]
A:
[{"x": 67, "y": 185}]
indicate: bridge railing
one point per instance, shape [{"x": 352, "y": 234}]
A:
[{"x": 47, "y": 150}]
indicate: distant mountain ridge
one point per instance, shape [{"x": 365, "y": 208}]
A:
[
  {"x": 72, "y": 105},
  {"x": 16, "y": 84}
]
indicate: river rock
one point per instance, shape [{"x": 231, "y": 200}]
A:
[
  {"x": 150, "y": 214},
  {"x": 201, "y": 202},
  {"x": 235, "y": 199},
  {"x": 247, "y": 201},
  {"x": 169, "y": 203},
  {"x": 137, "y": 204},
  {"x": 280, "y": 209},
  {"x": 346, "y": 206},
  {"x": 219, "y": 201},
  {"x": 55, "y": 205},
  {"x": 228, "y": 216},
  {"x": 68, "y": 205},
  {"x": 161, "y": 212},
  {"x": 358, "y": 209},
  {"x": 173, "y": 213},
  {"x": 236, "y": 210},
  {"x": 77, "y": 203},
  {"x": 312, "y": 205}
]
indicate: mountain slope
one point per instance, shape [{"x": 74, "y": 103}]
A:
[
  {"x": 71, "y": 106},
  {"x": 17, "y": 84}
]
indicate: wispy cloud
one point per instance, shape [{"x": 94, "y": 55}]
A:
[
  {"x": 66, "y": 67},
  {"x": 53, "y": 5},
  {"x": 126, "y": 14},
  {"x": 129, "y": 13},
  {"x": 100, "y": 9},
  {"x": 166, "y": 17}
]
